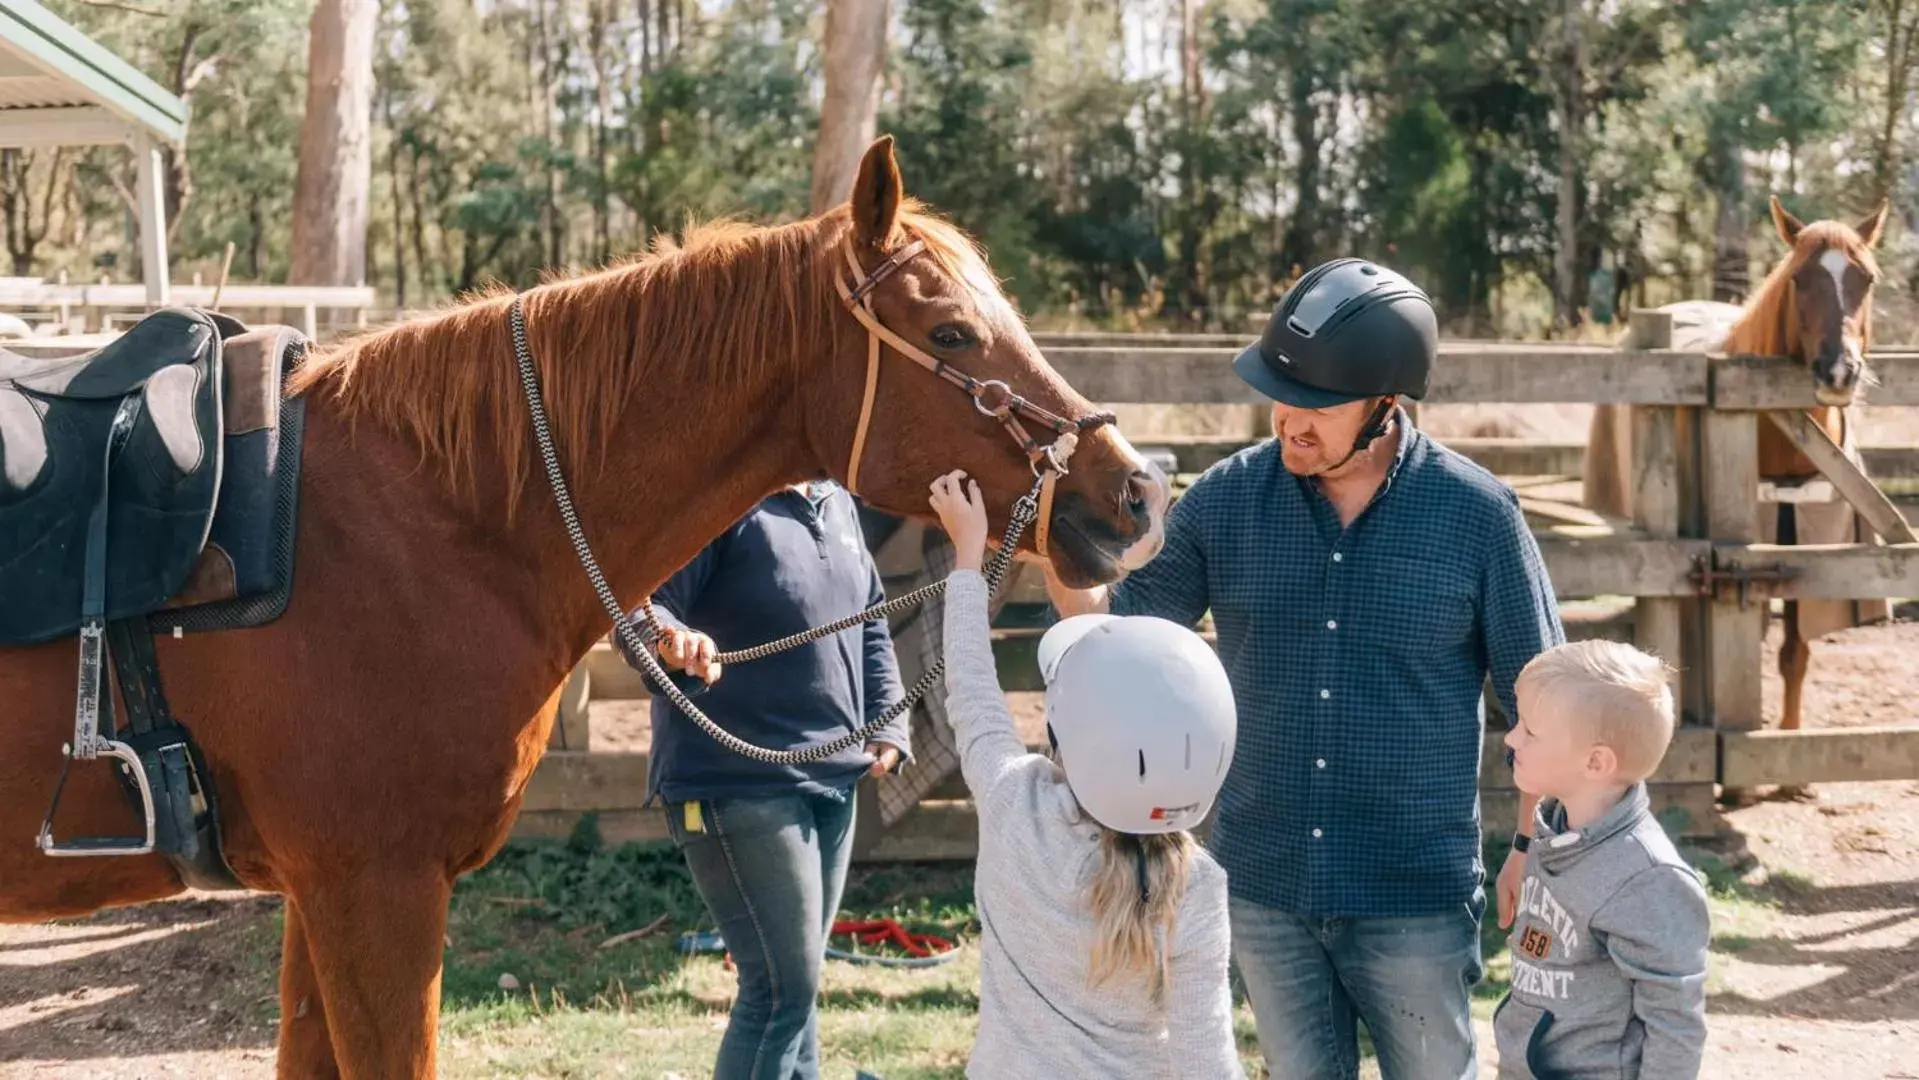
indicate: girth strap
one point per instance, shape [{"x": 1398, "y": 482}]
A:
[{"x": 187, "y": 819}]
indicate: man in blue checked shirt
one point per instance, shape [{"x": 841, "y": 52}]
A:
[{"x": 1365, "y": 581}]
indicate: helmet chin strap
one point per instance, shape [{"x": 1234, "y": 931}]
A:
[{"x": 1375, "y": 428}]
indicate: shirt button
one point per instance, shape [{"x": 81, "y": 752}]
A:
[
  {"x": 1324, "y": 694},
  {"x": 1338, "y": 557},
  {"x": 1320, "y": 763},
  {"x": 1317, "y": 834},
  {"x": 1332, "y": 624}
]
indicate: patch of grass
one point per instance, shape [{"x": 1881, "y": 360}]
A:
[{"x": 540, "y": 911}]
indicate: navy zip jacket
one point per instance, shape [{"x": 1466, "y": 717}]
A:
[{"x": 793, "y": 562}]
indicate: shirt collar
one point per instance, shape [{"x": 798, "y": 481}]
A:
[{"x": 818, "y": 493}]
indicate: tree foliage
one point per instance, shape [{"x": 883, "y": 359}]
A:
[{"x": 1169, "y": 163}]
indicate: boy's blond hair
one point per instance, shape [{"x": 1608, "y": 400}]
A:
[{"x": 1619, "y": 695}]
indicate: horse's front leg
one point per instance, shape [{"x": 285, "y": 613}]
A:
[
  {"x": 1795, "y": 659},
  {"x": 306, "y": 1044},
  {"x": 375, "y": 938}
]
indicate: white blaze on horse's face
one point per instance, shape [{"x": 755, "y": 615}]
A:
[{"x": 1832, "y": 292}]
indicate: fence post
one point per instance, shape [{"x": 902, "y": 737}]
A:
[
  {"x": 1665, "y": 484},
  {"x": 572, "y": 728},
  {"x": 1656, "y": 476},
  {"x": 1735, "y": 632}
]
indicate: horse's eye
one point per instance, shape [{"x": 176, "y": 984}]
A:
[{"x": 948, "y": 336}]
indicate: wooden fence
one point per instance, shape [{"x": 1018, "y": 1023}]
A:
[
  {"x": 1684, "y": 573},
  {"x": 64, "y": 308}
]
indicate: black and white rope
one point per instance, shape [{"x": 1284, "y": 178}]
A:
[{"x": 1025, "y": 511}]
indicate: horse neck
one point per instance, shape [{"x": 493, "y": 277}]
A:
[
  {"x": 698, "y": 461},
  {"x": 690, "y": 457}
]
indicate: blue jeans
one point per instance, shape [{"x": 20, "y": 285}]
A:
[
  {"x": 771, "y": 871},
  {"x": 1409, "y": 979}
]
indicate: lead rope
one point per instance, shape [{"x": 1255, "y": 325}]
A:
[{"x": 1025, "y": 510}]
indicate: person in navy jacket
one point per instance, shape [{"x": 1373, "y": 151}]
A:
[{"x": 768, "y": 845}]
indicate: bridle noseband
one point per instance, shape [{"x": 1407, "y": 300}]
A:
[{"x": 990, "y": 396}]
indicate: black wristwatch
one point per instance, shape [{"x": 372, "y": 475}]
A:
[{"x": 1522, "y": 842}]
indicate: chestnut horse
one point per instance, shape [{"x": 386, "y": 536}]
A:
[
  {"x": 375, "y": 741},
  {"x": 1815, "y": 308}
]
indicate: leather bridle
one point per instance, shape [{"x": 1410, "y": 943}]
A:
[{"x": 990, "y": 396}]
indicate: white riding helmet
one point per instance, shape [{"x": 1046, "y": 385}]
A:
[{"x": 1143, "y": 717}]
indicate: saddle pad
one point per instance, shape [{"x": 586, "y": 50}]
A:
[
  {"x": 164, "y": 480},
  {"x": 245, "y": 574}
]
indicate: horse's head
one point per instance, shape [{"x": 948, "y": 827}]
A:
[
  {"x": 954, "y": 364},
  {"x": 1832, "y": 271}
]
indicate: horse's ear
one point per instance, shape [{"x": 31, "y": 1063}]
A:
[
  {"x": 877, "y": 194},
  {"x": 1787, "y": 225},
  {"x": 1873, "y": 225}
]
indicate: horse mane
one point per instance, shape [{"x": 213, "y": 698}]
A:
[
  {"x": 1770, "y": 327},
  {"x": 747, "y": 302}
]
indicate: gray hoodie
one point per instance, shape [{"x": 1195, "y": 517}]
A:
[{"x": 1609, "y": 953}]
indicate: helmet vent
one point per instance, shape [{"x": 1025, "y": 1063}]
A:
[
  {"x": 1222, "y": 759},
  {"x": 1142, "y": 766},
  {"x": 1189, "y": 751}
]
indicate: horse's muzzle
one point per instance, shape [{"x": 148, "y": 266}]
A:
[
  {"x": 1102, "y": 542},
  {"x": 1835, "y": 375}
]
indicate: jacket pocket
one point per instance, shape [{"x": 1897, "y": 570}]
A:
[{"x": 1519, "y": 1030}]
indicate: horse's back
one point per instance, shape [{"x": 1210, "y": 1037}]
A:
[
  {"x": 1606, "y": 483},
  {"x": 1701, "y": 325}
]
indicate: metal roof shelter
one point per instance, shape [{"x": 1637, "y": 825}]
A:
[{"x": 59, "y": 88}]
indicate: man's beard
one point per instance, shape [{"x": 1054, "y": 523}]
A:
[{"x": 1317, "y": 462}]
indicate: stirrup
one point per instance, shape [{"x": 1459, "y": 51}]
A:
[
  {"x": 102, "y": 845},
  {"x": 87, "y": 745}
]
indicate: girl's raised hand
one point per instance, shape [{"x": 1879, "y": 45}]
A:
[{"x": 962, "y": 514}]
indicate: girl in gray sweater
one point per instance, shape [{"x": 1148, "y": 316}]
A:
[{"x": 1103, "y": 925}]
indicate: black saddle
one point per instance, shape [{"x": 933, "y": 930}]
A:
[
  {"x": 124, "y": 467},
  {"x": 149, "y": 484}
]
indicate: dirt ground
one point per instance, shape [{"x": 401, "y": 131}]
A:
[{"x": 1824, "y": 986}]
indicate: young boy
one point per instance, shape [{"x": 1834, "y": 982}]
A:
[{"x": 1609, "y": 943}]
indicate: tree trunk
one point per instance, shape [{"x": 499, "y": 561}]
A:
[
  {"x": 642, "y": 11},
  {"x": 1192, "y": 233},
  {"x": 547, "y": 103},
  {"x": 189, "y": 70},
  {"x": 1731, "y": 276},
  {"x": 599, "y": 13},
  {"x": 399, "y": 200},
  {"x": 1571, "y": 120},
  {"x": 1301, "y": 241},
  {"x": 1898, "y": 74},
  {"x": 331, "y": 192},
  {"x": 256, "y": 235},
  {"x": 429, "y": 272},
  {"x": 24, "y": 233},
  {"x": 854, "y": 54}
]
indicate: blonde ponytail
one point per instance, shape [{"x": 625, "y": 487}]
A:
[{"x": 1134, "y": 897}]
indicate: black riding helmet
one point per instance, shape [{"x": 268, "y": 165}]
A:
[{"x": 1349, "y": 329}]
